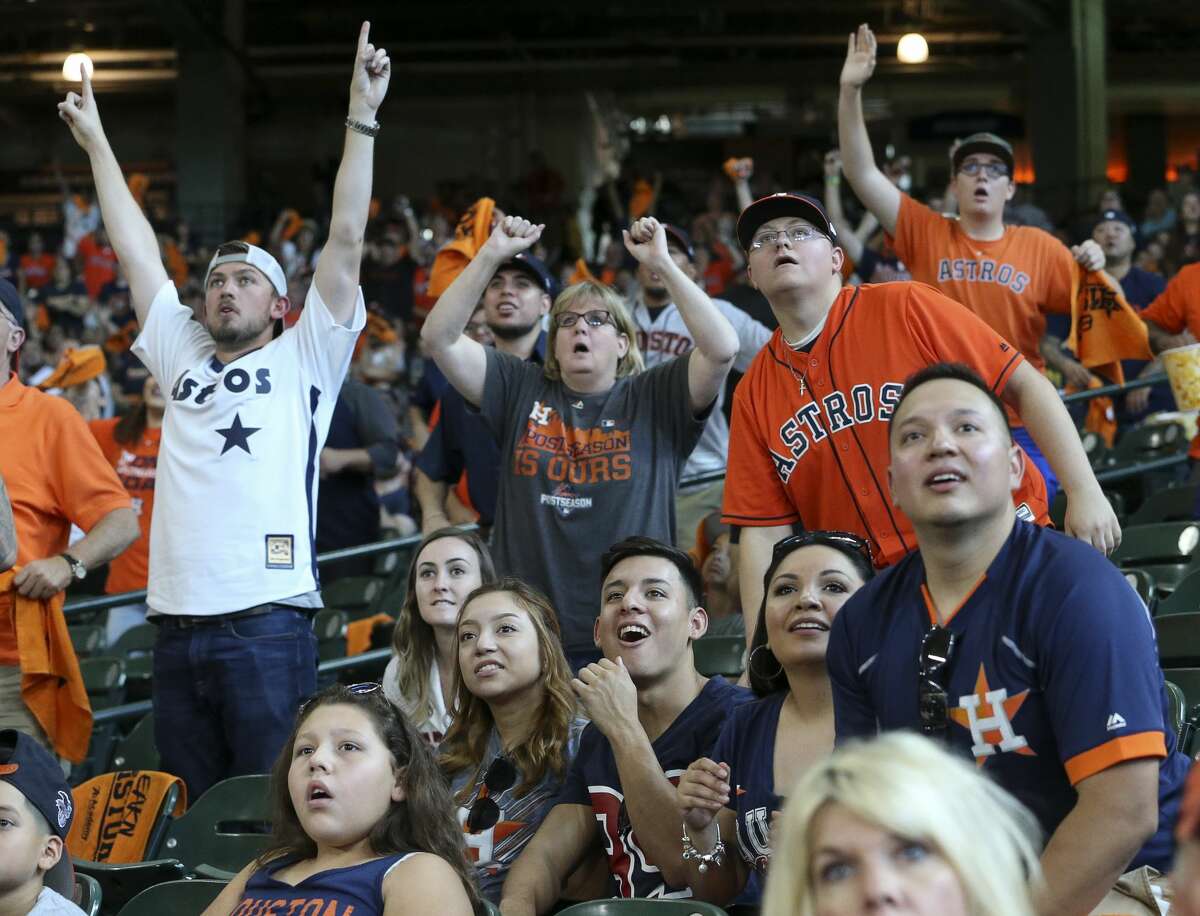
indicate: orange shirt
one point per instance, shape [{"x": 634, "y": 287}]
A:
[
  {"x": 1010, "y": 283},
  {"x": 37, "y": 271},
  {"x": 1178, "y": 308},
  {"x": 808, "y": 442},
  {"x": 99, "y": 265},
  {"x": 55, "y": 475},
  {"x": 135, "y": 464}
]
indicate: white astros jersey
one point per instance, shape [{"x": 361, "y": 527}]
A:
[
  {"x": 667, "y": 337},
  {"x": 235, "y": 500}
]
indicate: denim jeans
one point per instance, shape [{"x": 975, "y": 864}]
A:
[{"x": 225, "y": 695}]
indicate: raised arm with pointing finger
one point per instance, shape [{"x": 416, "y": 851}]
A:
[{"x": 130, "y": 232}]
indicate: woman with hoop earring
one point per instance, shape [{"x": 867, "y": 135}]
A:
[{"x": 771, "y": 742}]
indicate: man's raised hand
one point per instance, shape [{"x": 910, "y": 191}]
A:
[
  {"x": 369, "y": 82},
  {"x": 860, "y": 58},
  {"x": 646, "y": 240},
  {"x": 512, "y": 235},
  {"x": 79, "y": 112}
]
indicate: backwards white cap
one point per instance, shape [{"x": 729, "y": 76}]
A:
[{"x": 254, "y": 256}]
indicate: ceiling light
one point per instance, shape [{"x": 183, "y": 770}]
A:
[
  {"x": 912, "y": 48},
  {"x": 73, "y": 64}
]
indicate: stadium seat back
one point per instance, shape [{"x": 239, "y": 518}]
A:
[
  {"x": 1185, "y": 599},
  {"x": 1178, "y": 641},
  {"x": 88, "y": 639},
  {"x": 1174, "y": 504},
  {"x": 136, "y": 751},
  {"x": 87, "y": 895},
  {"x": 719, "y": 655},
  {"x": 352, "y": 593},
  {"x": 104, "y": 680},
  {"x": 139, "y": 638},
  {"x": 1094, "y": 447},
  {"x": 329, "y": 625},
  {"x": 1177, "y": 706},
  {"x": 225, "y": 827},
  {"x": 1150, "y": 440},
  {"x": 1164, "y": 542},
  {"x": 1144, "y": 583},
  {"x": 182, "y": 897},
  {"x": 1187, "y": 681},
  {"x": 643, "y": 908}
]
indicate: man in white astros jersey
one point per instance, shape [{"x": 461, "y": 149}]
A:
[{"x": 233, "y": 576}]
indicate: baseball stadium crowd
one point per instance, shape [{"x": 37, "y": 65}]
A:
[{"x": 822, "y": 426}]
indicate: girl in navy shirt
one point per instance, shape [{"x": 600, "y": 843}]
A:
[
  {"x": 772, "y": 741},
  {"x": 363, "y": 820}
]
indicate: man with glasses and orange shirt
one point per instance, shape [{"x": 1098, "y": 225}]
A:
[
  {"x": 233, "y": 577},
  {"x": 1013, "y": 644},
  {"x": 808, "y": 442},
  {"x": 1009, "y": 276}
]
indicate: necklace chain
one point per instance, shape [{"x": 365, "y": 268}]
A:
[{"x": 800, "y": 379}]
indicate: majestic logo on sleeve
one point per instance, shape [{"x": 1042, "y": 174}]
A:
[
  {"x": 967, "y": 270},
  {"x": 988, "y": 714},
  {"x": 835, "y": 413}
]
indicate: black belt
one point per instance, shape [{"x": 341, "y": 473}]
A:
[{"x": 188, "y": 621}]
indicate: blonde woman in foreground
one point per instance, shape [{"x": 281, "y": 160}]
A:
[{"x": 897, "y": 824}]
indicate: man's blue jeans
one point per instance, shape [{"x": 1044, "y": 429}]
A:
[{"x": 226, "y": 694}]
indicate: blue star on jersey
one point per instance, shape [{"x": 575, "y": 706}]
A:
[{"x": 237, "y": 436}]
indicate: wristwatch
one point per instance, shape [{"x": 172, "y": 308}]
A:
[{"x": 78, "y": 570}]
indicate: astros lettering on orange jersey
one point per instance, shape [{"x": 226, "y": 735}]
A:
[
  {"x": 984, "y": 271},
  {"x": 832, "y": 414}
]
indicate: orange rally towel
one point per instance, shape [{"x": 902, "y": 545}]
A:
[
  {"x": 472, "y": 231},
  {"x": 76, "y": 367},
  {"x": 116, "y": 812},
  {"x": 738, "y": 168},
  {"x": 641, "y": 199},
  {"x": 1104, "y": 327},
  {"x": 51, "y": 685},
  {"x": 358, "y": 633},
  {"x": 581, "y": 274}
]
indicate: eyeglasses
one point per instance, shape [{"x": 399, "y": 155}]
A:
[
  {"x": 595, "y": 318},
  {"x": 796, "y": 234},
  {"x": 359, "y": 689},
  {"x": 993, "y": 169},
  {"x": 937, "y": 650},
  {"x": 485, "y": 813},
  {"x": 835, "y": 539}
]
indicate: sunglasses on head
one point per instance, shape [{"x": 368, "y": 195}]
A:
[
  {"x": 836, "y": 539},
  {"x": 937, "y": 651},
  {"x": 358, "y": 689},
  {"x": 484, "y": 813}
]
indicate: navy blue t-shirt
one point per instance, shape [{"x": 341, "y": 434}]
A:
[
  {"x": 353, "y": 889},
  {"x": 1055, "y": 677},
  {"x": 747, "y": 745},
  {"x": 594, "y": 781}
]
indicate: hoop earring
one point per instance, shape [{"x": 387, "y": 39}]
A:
[{"x": 765, "y": 677}]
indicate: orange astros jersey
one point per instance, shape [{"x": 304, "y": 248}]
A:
[
  {"x": 820, "y": 458},
  {"x": 1010, "y": 283}
]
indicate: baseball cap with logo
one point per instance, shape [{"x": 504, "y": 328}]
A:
[
  {"x": 11, "y": 300},
  {"x": 32, "y": 770},
  {"x": 984, "y": 143},
  {"x": 681, "y": 239},
  {"x": 783, "y": 203},
  {"x": 244, "y": 252},
  {"x": 1116, "y": 216},
  {"x": 533, "y": 266}
]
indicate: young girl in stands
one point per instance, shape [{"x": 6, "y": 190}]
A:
[
  {"x": 363, "y": 820},
  {"x": 766, "y": 745},
  {"x": 516, "y": 729},
  {"x": 449, "y": 564}
]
